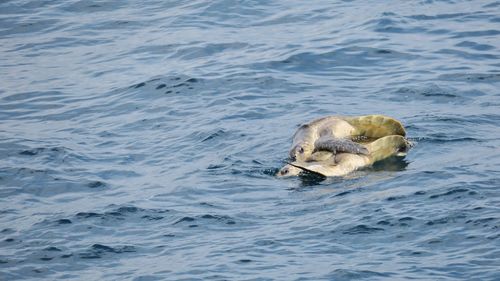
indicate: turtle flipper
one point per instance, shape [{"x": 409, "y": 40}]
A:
[{"x": 338, "y": 145}]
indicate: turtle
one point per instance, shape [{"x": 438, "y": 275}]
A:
[
  {"x": 327, "y": 163},
  {"x": 339, "y": 134}
]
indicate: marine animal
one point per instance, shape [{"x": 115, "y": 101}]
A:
[
  {"x": 329, "y": 164},
  {"x": 339, "y": 134}
]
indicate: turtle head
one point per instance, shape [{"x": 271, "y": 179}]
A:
[
  {"x": 288, "y": 171},
  {"x": 301, "y": 151},
  {"x": 403, "y": 147}
]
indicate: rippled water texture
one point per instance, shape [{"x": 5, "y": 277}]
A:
[{"x": 138, "y": 140}]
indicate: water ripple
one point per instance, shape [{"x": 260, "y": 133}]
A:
[{"x": 141, "y": 140}]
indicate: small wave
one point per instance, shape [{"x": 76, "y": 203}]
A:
[
  {"x": 361, "y": 58},
  {"x": 394, "y": 25},
  {"x": 477, "y": 33},
  {"x": 361, "y": 229},
  {"x": 452, "y": 191},
  {"x": 98, "y": 251},
  {"x": 205, "y": 219},
  {"x": 124, "y": 214},
  {"x": 452, "y": 219},
  {"x": 478, "y": 78},
  {"x": 439, "y": 16},
  {"x": 432, "y": 93},
  {"x": 475, "y": 46},
  {"x": 350, "y": 274}
]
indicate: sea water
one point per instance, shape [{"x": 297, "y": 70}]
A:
[{"x": 139, "y": 140}]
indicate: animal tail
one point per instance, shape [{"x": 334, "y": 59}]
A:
[
  {"x": 376, "y": 126},
  {"x": 388, "y": 146}
]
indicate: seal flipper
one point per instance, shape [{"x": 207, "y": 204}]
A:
[{"x": 337, "y": 145}]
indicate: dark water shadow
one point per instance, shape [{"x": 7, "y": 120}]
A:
[
  {"x": 390, "y": 164},
  {"x": 309, "y": 179}
]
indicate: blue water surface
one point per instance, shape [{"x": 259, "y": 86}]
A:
[{"x": 139, "y": 140}]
